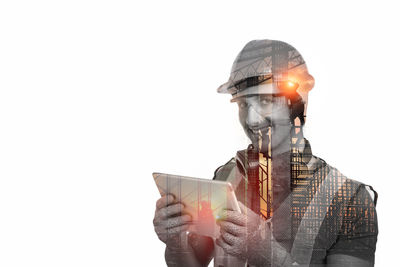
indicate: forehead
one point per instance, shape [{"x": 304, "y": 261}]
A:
[
  {"x": 267, "y": 87},
  {"x": 258, "y": 97}
]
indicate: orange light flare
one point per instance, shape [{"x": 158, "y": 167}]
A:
[
  {"x": 206, "y": 220},
  {"x": 206, "y": 212},
  {"x": 288, "y": 87}
]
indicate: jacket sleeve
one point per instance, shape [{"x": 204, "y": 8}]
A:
[{"x": 358, "y": 234}]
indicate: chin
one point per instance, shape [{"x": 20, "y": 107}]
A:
[{"x": 281, "y": 144}]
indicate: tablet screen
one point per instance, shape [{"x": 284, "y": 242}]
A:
[{"x": 203, "y": 199}]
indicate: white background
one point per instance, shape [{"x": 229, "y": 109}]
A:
[{"x": 96, "y": 95}]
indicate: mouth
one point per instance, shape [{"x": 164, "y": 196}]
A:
[{"x": 259, "y": 130}]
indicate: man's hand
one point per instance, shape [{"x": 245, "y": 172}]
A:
[
  {"x": 241, "y": 236},
  {"x": 169, "y": 222}
]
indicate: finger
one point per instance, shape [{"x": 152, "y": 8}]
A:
[
  {"x": 162, "y": 231},
  {"x": 165, "y": 201},
  {"x": 178, "y": 229},
  {"x": 225, "y": 246},
  {"x": 232, "y": 250},
  {"x": 250, "y": 214},
  {"x": 166, "y": 235},
  {"x": 166, "y": 212},
  {"x": 170, "y": 211},
  {"x": 231, "y": 228},
  {"x": 242, "y": 207},
  {"x": 233, "y": 217},
  {"x": 238, "y": 250},
  {"x": 176, "y": 221},
  {"x": 230, "y": 239}
]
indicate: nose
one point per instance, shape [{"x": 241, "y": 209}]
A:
[{"x": 255, "y": 119}]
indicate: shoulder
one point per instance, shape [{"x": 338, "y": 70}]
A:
[
  {"x": 348, "y": 189},
  {"x": 352, "y": 215},
  {"x": 223, "y": 171},
  {"x": 350, "y": 199}
]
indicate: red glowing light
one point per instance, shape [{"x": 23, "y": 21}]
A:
[{"x": 288, "y": 86}]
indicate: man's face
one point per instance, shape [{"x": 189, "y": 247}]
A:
[{"x": 259, "y": 114}]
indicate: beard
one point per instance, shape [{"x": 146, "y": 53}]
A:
[
  {"x": 275, "y": 146},
  {"x": 270, "y": 140}
]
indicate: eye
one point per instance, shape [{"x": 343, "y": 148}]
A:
[{"x": 266, "y": 100}]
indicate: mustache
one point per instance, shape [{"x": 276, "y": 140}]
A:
[
  {"x": 262, "y": 137},
  {"x": 260, "y": 130},
  {"x": 268, "y": 124}
]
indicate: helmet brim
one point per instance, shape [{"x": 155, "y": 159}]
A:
[{"x": 223, "y": 89}]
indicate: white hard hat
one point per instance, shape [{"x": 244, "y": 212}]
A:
[{"x": 261, "y": 64}]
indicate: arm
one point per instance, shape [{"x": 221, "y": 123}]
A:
[
  {"x": 196, "y": 251},
  {"x": 246, "y": 236},
  {"x": 356, "y": 241},
  {"x": 241, "y": 236}
]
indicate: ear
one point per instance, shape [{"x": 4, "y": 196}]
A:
[{"x": 308, "y": 84}]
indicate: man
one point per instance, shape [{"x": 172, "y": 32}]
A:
[{"x": 295, "y": 208}]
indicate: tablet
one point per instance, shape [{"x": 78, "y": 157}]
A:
[{"x": 203, "y": 199}]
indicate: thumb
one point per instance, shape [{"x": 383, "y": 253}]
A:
[{"x": 243, "y": 208}]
